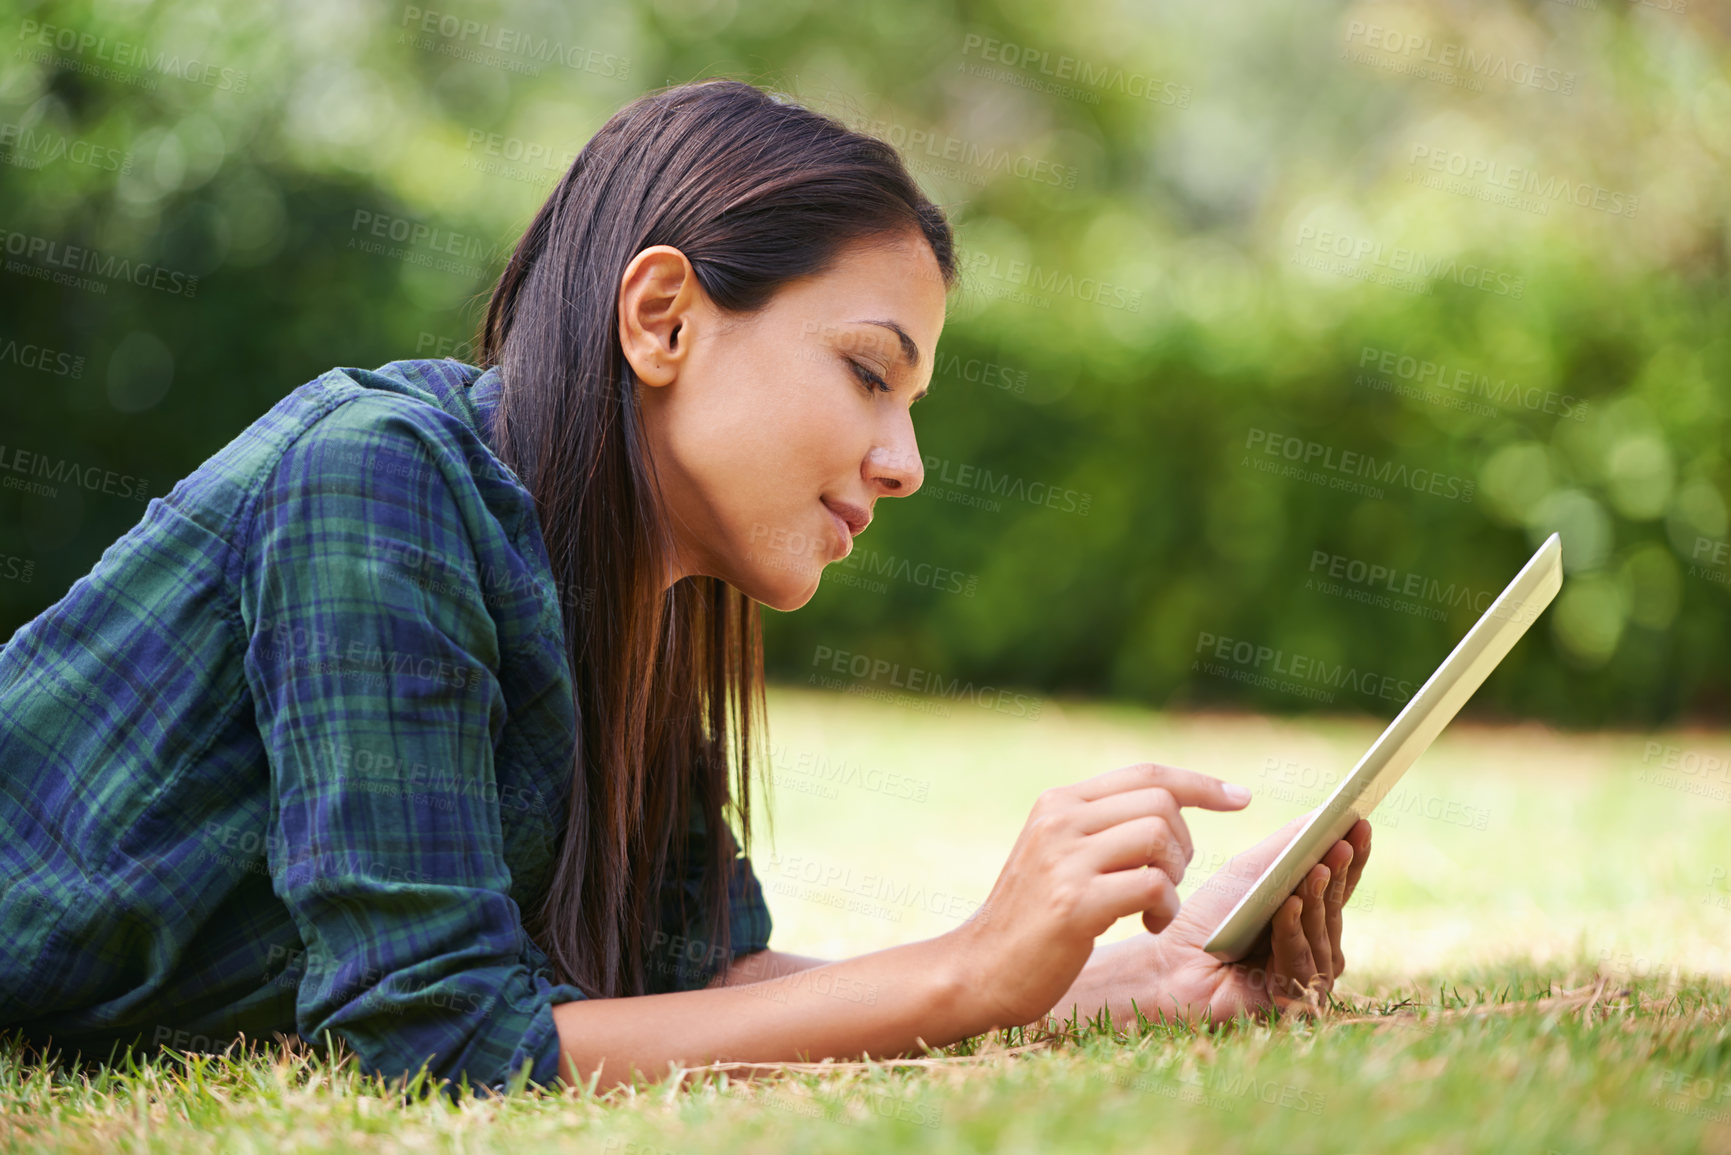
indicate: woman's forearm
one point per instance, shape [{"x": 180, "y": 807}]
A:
[
  {"x": 764, "y": 964},
  {"x": 883, "y": 1003}
]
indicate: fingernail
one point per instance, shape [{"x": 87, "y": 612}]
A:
[{"x": 1236, "y": 793}]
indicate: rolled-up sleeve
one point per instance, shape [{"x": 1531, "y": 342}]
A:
[{"x": 414, "y": 949}]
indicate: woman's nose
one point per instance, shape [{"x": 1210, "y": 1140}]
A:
[{"x": 896, "y": 471}]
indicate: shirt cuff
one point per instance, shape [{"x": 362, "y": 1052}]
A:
[
  {"x": 488, "y": 1047},
  {"x": 541, "y": 1036}
]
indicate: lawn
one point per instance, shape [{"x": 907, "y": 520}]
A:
[{"x": 1538, "y": 958}]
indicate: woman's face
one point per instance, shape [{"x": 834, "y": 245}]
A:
[{"x": 766, "y": 431}]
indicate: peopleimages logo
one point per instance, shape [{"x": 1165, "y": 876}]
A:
[
  {"x": 48, "y": 256},
  {"x": 941, "y": 471},
  {"x": 1427, "y": 375},
  {"x": 1304, "y": 453},
  {"x": 870, "y": 563},
  {"x": 122, "y": 54},
  {"x": 464, "y": 37},
  {"x": 1082, "y": 72},
  {"x": 836, "y": 772},
  {"x": 1399, "y": 259},
  {"x": 863, "y": 668},
  {"x": 39, "y": 357},
  {"x": 513, "y": 156},
  {"x": 922, "y": 144},
  {"x": 1462, "y": 61},
  {"x": 420, "y": 235},
  {"x": 91, "y": 477},
  {"x": 1276, "y": 668},
  {"x": 1046, "y": 282},
  {"x": 26, "y": 147},
  {"x": 1389, "y": 588},
  {"x": 980, "y": 372},
  {"x": 1515, "y": 178}
]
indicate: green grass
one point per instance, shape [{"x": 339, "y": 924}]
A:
[{"x": 1541, "y": 966}]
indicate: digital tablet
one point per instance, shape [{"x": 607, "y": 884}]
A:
[{"x": 1413, "y": 729}]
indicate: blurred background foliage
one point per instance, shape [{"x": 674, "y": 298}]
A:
[{"x": 1245, "y": 179}]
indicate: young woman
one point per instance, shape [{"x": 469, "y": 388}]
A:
[{"x": 422, "y": 713}]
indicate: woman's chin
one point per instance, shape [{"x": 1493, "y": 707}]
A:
[{"x": 784, "y": 591}]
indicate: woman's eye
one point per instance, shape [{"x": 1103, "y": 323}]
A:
[{"x": 870, "y": 378}]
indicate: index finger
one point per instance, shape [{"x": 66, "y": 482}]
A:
[{"x": 1186, "y": 786}]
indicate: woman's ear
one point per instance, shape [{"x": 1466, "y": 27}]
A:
[{"x": 657, "y": 310}]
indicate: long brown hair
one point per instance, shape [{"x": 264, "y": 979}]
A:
[{"x": 755, "y": 191}]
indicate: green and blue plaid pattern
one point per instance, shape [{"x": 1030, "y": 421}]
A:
[{"x": 294, "y": 755}]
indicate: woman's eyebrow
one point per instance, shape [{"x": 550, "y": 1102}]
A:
[{"x": 910, "y": 351}]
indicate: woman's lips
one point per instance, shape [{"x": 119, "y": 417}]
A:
[
  {"x": 855, "y": 517},
  {"x": 842, "y": 528}
]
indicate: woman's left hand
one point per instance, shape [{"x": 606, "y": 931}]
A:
[{"x": 1292, "y": 965}]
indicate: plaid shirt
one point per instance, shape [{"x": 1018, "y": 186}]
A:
[{"x": 295, "y": 755}]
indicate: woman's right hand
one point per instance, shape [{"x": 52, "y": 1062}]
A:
[{"x": 1090, "y": 854}]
